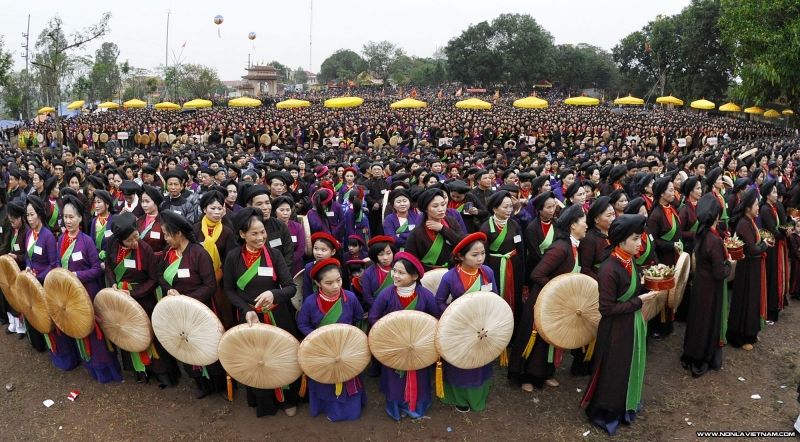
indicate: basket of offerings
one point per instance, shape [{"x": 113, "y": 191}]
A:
[
  {"x": 659, "y": 277},
  {"x": 735, "y": 247},
  {"x": 767, "y": 236}
]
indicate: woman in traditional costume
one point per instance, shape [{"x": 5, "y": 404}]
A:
[
  {"x": 405, "y": 293},
  {"x": 326, "y": 214},
  {"x": 401, "y": 219},
  {"x": 323, "y": 246},
  {"x": 706, "y": 324},
  {"x": 149, "y": 224},
  {"x": 540, "y": 234},
  {"x": 467, "y": 389},
  {"x": 377, "y": 277},
  {"x": 433, "y": 241},
  {"x": 331, "y": 304},
  {"x": 748, "y": 310},
  {"x": 533, "y": 361},
  {"x": 41, "y": 255},
  {"x": 259, "y": 285},
  {"x": 283, "y": 207},
  {"x": 647, "y": 255},
  {"x": 665, "y": 226},
  {"x": 101, "y": 224},
  {"x": 16, "y": 247},
  {"x": 78, "y": 254},
  {"x": 186, "y": 269},
  {"x": 506, "y": 249},
  {"x": 614, "y": 394},
  {"x": 776, "y": 256}
]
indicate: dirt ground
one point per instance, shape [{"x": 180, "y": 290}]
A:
[{"x": 675, "y": 405}]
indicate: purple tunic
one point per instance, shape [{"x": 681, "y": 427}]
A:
[
  {"x": 392, "y": 385},
  {"x": 102, "y": 364},
  {"x": 42, "y": 256},
  {"x": 333, "y": 223},
  {"x": 370, "y": 285},
  {"x": 322, "y": 397},
  {"x": 299, "y": 239},
  {"x": 355, "y": 226},
  {"x": 451, "y": 286},
  {"x": 391, "y": 223}
]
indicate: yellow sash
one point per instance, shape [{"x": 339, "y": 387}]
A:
[{"x": 210, "y": 243}]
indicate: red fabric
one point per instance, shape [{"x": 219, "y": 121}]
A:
[
  {"x": 648, "y": 202},
  {"x": 432, "y": 234},
  {"x": 545, "y": 227},
  {"x": 123, "y": 252},
  {"x": 406, "y": 301},
  {"x": 382, "y": 273},
  {"x": 102, "y": 220},
  {"x": 624, "y": 258},
  {"x": 669, "y": 212},
  {"x": 325, "y": 304},
  {"x": 466, "y": 279},
  {"x": 172, "y": 255},
  {"x": 250, "y": 257},
  {"x": 410, "y": 393},
  {"x": 65, "y": 244}
]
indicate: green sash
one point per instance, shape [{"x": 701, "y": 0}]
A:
[
  {"x": 726, "y": 307},
  {"x": 248, "y": 276},
  {"x": 671, "y": 234},
  {"x": 724, "y": 216},
  {"x": 495, "y": 246},
  {"x": 30, "y": 249},
  {"x": 403, "y": 228},
  {"x": 695, "y": 226},
  {"x": 172, "y": 270},
  {"x": 548, "y": 240},
  {"x": 413, "y": 304},
  {"x": 434, "y": 252},
  {"x": 333, "y": 315},
  {"x": 639, "y": 356},
  {"x": 119, "y": 270},
  {"x": 147, "y": 229},
  {"x": 14, "y": 240},
  {"x": 476, "y": 286},
  {"x": 576, "y": 268},
  {"x": 387, "y": 281},
  {"x": 53, "y": 217},
  {"x": 642, "y": 259},
  {"x": 67, "y": 254},
  {"x": 99, "y": 235}
]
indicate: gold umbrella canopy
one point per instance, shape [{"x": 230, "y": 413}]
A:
[
  {"x": 629, "y": 101},
  {"x": 343, "y": 102},
  {"x": 669, "y": 99},
  {"x": 582, "y": 101},
  {"x": 293, "y": 104},
  {"x": 531, "y": 103},
  {"x": 755, "y": 110},
  {"x": 408, "y": 103},
  {"x": 134, "y": 104},
  {"x": 772, "y": 113},
  {"x": 730, "y": 107},
  {"x": 702, "y": 104},
  {"x": 474, "y": 104}
]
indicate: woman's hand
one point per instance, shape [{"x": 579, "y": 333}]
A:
[
  {"x": 648, "y": 295},
  {"x": 434, "y": 225},
  {"x": 251, "y": 317},
  {"x": 172, "y": 292},
  {"x": 264, "y": 300}
]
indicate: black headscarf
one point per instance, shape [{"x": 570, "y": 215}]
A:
[
  {"x": 625, "y": 226},
  {"x": 177, "y": 223},
  {"x": 567, "y": 217},
  {"x": 596, "y": 209},
  {"x": 124, "y": 225},
  {"x": 708, "y": 210}
]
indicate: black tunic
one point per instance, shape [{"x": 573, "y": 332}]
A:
[
  {"x": 515, "y": 264},
  {"x": 419, "y": 243},
  {"x": 744, "y": 321},
  {"x": 773, "y": 260}
]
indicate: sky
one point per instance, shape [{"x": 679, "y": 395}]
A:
[{"x": 282, "y": 28}]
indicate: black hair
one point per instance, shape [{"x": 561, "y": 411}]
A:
[
  {"x": 376, "y": 248},
  {"x": 411, "y": 269},
  {"x": 318, "y": 276}
]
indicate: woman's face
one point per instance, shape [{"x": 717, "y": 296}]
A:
[
  {"x": 233, "y": 193},
  {"x": 437, "y": 208},
  {"x": 504, "y": 210},
  {"x": 74, "y": 184},
  {"x": 400, "y": 275},
  {"x": 100, "y": 206},
  {"x": 632, "y": 244},
  {"x": 132, "y": 241},
  {"x": 578, "y": 228},
  {"x": 148, "y": 205},
  {"x": 38, "y": 183},
  {"x": 753, "y": 211},
  {"x": 321, "y": 250},
  {"x": 743, "y": 172},
  {"x": 401, "y": 204},
  {"x": 330, "y": 282},
  {"x": 621, "y": 203},
  {"x": 697, "y": 191},
  {"x": 580, "y": 197},
  {"x": 773, "y": 196},
  {"x": 548, "y": 210},
  {"x": 173, "y": 239},
  {"x": 603, "y": 222},
  {"x": 349, "y": 177},
  {"x": 546, "y": 187},
  {"x": 72, "y": 219},
  {"x": 215, "y": 211},
  {"x": 386, "y": 256},
  {"x": 475, "y": 257},
  {"x": 568, "y": 180},
  {"x": 283, "y": 212},
  {"x": 256, "y": 235}
]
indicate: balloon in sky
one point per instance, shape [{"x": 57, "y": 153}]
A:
[
  {"x": 251, "y": 36},
  {"x": 218, "y": 19}
]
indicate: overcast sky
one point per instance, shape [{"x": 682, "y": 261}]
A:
[{"x": 282, "y": 28}]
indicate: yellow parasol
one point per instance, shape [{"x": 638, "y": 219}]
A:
[
  {"x": 629, "y": 100},
  {"x": 730, "y": 107},
  {"x": 702, "y": 104},
  {"x": 788, "y": 112},
  {"x": 108, "y": 105},
  {"x": 473, "y": 103},
  {"x": 669, "y": 99},
  {"x": 134, "y": 104},
  {"x": 340, "y": 102},
  {"x": 166, "y": 105},
  {"x": 46, "y": 110},
  {"x": 292, "y": 104},
  {"x": 244, "y": 102},
  {"x": 408, "y": 103},
  {"x": 582, "y": 101},
  {"x": 197, "y": 103},
  {"x": 531, "y": 103},
  {"x": 772, "y": 113},
  {"x": 76, "y": 105},
  {"x": 754, "y": 110}
]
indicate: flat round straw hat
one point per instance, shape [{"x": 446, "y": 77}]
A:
[
  {"x": 187, "y": 329},
  {"x": 404, "y": 340},
  {"x": 123, "y": 320},
  {"x": 34, "y": 310},
  {"x": 334, "y": 353},
  {"x": 260, "y": 355},
  {"x": 567, "y": 311},
  {"x": 68, "y": 303}
]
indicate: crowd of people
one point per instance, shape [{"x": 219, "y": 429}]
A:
[{"x": 190, "y": 203}]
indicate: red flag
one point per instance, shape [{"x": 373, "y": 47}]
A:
[{"x": 459, "y": 91}]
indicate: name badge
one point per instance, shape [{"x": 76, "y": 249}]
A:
[
  {"x": 15, "y": 247},
  {"x": 299, "y": 190},
  {"x": 37, "y": 250},
  {"x": 265, "y": 271},
  {"x": 384, "y": 191},
  {"x": 178, "y": 212},
  {"x": 517, "y": 239},
  {"x": 108, "y": 233},
  {"x": 183, "y": 273},
  {"x": 276, "y": 242},
  {"x": 486, "y": 288},
  {"x": 130, "y": 263},
  {"x": 328, "y": 213},
  {"x": 294, "y": 238},
  {"x": 155, "y": 235},
  {"x": 77, "y": 256},
  {"x": 650, "y": 236},
  {"x": 1, "y": 230},
  {"x": 411, "y": 227}
]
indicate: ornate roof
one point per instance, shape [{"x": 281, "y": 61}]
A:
[{"x": 261, "y": 73}]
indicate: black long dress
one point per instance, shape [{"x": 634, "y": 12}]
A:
[
  {"x": 539, "y": 366},
  {"x": 592, "y": 252},
  {"x": 509, "y": 249},
  {"x": 420, "y": 244},
  {"x": 242, "y": 295},
  {"x": 689, "y": 224},
  {"x": 775, "y": 262},
  {"x": 539, "y": 236},
  {"x": 748, "y": 303},
  {"x": 666, "y": 232},
  {"x": 708, "y": 309},
  {"x": 607, "y": 396}
]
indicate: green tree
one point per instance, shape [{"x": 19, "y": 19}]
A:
[
  {"x": 585, "y": 66},
  {"x": 14, "y": 93},
  {"x": 472, "y": 58},
  {"x": 283, "y": 71},
  {"x": 342, "y": 65},
  {"x": 300, "y": 76},
  {"x": 193, "y": 80},
  {"x": 105, "y": 76},
  {"x": 53, "y": 62},
  {"x": 380, "y": 56},
  {"x": 763, "y": 38},
  {"x": 6, "y": 63}
]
